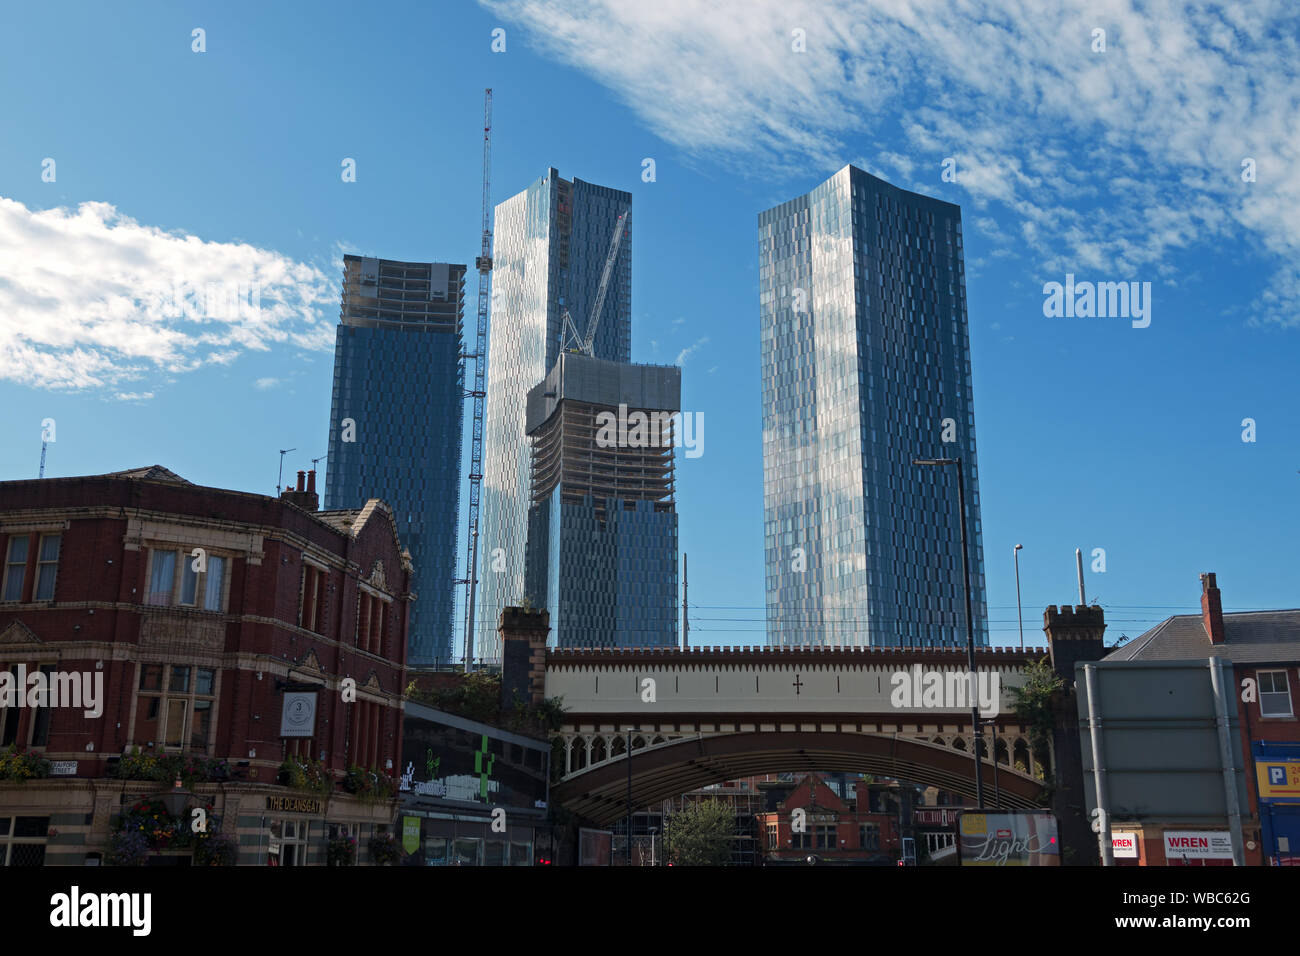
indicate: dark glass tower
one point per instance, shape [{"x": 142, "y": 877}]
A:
[
  {"x": 395, "y": 422},
  {"x": 866, "y": 366},
  {"x": 551, "y": 242}
]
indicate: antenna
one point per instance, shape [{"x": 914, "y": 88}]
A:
[
  {"x": 1078, "y": 560},
  {"x": 280, "y": 477}
]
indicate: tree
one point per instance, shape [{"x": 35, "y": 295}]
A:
[
  {"x": 1033, "y": 706},
  {"x": 701, "y": 834}
]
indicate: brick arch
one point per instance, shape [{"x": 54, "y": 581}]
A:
[{"x": 600, "y": 793}]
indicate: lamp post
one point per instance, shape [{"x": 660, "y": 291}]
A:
[
  {"x": 970, "y": 623},
  {"x": 1015, "y": 553},
  {"x": 629, "y": 796}
]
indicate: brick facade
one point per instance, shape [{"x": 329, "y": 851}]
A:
[{"x": 286, "y": 599}]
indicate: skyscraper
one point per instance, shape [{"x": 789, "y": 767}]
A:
[
  {"x": 866, "y": 366},
  {"x": 395, "y": 422},
  {"x": 551, "y": 242},
  {"x": 602, "y": 530}
]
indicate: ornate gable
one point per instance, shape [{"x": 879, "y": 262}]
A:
[{"x": 19, "y": 633}]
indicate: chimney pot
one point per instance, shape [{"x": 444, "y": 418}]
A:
[
  {"x": 1212, "y": 608},
  {"x": 311, "y": 481},
  {"x": 302, "y": 475}
]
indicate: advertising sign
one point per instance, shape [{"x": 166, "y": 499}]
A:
[
  {"x": 1198, "y": 845},
  {"x": 1124, "y": 846},
  {"x": 410, "y": 834},
  {"x": 1006, "y": 838},
  {"x": 1279, "y": 779},
  {"x": 447, "y": 758},
  {"x": 298, "y": 719}
]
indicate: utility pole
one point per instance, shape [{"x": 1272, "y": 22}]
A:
[
  {"x": 484, "y": 265},
  {"x": 686, "y": 621}
]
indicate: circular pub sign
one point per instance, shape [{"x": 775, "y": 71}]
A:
[{"x": 299, "y": 718}]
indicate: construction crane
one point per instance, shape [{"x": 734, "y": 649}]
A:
[
  {"x": 584, "y": 343},
  {"x": 484, "y": 265}
]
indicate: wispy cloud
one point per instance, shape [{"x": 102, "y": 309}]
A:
[
  {"x": 265, "y": 383},
  {"x": 686, "y": 352},
  {"x": 92, "y": 299},
  {"x": 1111, "y": 160}
]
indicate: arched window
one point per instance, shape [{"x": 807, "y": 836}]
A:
[{"x": 1020, "y": 755}]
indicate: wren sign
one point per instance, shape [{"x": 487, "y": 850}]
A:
[{"x": 1198, "y": 845}]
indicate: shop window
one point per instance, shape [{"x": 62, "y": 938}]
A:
[
  {"x": 205, "y": 589},
  {"x": 180, "y": 717},
  {"x": 288, "y": 843},
  {"x": 40, "y": 730},
  {"x": 869, "y": 837},
  {"x": 47, "y": 566},
  {"x": 22, "y": 840},
  {"x": 1274, "y": 694},
  {"x": 311, "y": 610},
  {"x": 15, "y": 567},
  {"x": 826, "y": 838}
]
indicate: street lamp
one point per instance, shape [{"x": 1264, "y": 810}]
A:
[
  {"x": 970, "y": 623},
  {"x": 1015, "y": 553}
]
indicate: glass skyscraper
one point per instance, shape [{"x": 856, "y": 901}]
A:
[
  {"x": 395, "y": 422},
  {"x": 866, "y": 366},
  {"x": 550, "y": 246}
]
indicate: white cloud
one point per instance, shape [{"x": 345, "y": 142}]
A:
[
  {"x": 686, "y": 352},
  {"x": 265, "y": 383},
  {"x": 91, "y": 299},
  {"x": 1111, "y": 161}
]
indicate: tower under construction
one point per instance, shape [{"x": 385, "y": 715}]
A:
[{"x": 601, "y": 555}]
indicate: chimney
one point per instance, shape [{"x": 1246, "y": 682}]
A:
[
  {"x": 523, "y": 655},
  {"x": 304, "y": 496},
  {"x": 1211, "y": 608}
]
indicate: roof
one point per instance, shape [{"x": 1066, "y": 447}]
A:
[
  {"x": 148, "y": 473},
  {"x": 1248, "y": 636}
]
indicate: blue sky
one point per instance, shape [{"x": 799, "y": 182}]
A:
[{"x": 1115, "y": 165}]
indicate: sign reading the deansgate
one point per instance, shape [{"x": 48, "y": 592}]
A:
[{"x": 295, "y": 804}]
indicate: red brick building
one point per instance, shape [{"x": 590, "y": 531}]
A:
[
  {"x": 1262, "y": 649},
  {"x": 257, "y": 640},
  {"x": 831, "y": 829}
]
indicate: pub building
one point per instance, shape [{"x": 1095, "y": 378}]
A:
[{"x": 251, "y": 654}]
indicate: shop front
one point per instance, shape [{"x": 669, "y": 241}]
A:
[{"x": 472, "y": 794}]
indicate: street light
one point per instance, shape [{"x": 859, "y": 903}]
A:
[
  {"x": 1015, "y": 553},
  {"x": 970, "y": 623}
]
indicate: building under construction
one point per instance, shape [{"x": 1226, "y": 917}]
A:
[{"x": 601, "y": 555}]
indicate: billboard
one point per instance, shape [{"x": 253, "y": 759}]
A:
[
  {"x": 450, "y": 758},
  {"x": 1007, "y": 838}
]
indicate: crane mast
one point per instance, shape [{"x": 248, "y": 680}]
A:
[
  {"x": 484, "y": 265},
  {"x": 585, "y": 342}
]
